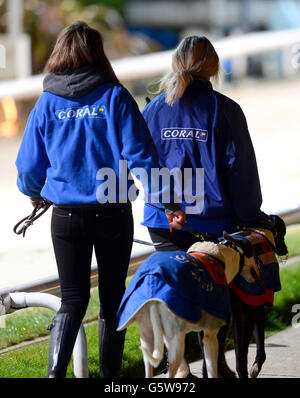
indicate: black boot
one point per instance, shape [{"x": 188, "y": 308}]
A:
[
  {"x": 64, "y": 330},
  {"x": 111, "y": 346}
]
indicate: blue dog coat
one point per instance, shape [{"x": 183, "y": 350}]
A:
[{"x": 185, "y": 283}]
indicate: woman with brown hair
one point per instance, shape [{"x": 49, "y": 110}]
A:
[
  {"x": 82, "y": 128},
  {"x": 196, "y": 128}
]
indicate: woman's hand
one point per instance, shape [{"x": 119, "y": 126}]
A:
[
  {"x": 176, "y": 219},
  {"x": 41, "y": 203}
]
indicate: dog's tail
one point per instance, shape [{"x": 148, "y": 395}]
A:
[{"x": 158, "y": 349}]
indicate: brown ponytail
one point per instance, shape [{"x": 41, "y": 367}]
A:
[{"x": 194, "y": 58}]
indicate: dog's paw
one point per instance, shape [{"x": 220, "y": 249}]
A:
[{"x": 255, "y": 369}]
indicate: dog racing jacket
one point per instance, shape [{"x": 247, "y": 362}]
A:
[
  {"x": 77, "y": 134},
  {"x": 187, "y": 284},
  {"x": 206, "y": 130},
  {"x": 261, "y": 291}
]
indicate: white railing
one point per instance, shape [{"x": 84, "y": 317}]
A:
[
  {"x": 25, "y": 300},
  {"x": 154, "y": 64}
]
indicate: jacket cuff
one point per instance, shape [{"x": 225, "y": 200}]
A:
[
  {"x": 171, "y": 207},
  {"x": 36, "y": 198}
]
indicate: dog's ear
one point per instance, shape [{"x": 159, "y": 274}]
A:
[
  {"x": 279, "y": 232},
  {"x": 243, "y": 246},
  {"x": 277, "y": 226}
]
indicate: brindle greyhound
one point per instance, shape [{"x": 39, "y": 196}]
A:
[{"x": 246, "y": 318}]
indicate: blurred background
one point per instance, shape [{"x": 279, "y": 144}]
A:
[
  {"x": 258, "y": 42},
  {"x": 259, "y": 45}
]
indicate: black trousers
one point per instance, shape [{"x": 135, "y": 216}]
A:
[{"x": 76, "y": 231}]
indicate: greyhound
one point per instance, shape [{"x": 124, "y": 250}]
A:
[
  {"x": 248, "y": 307},
  {"x": 159, "y": 324},
  {"x": 249, "y": 316}
]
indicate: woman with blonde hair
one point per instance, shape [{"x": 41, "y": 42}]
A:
[{"x": 197, "y": 128}]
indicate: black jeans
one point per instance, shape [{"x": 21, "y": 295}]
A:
[{"x": 75, "y": 232}]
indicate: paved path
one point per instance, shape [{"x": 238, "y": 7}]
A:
[{"x": 283, "y": 356}]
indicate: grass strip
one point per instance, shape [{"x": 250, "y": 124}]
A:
[
  {"x": 27, "y": 324},
  {"x": 31, "y": 361}
]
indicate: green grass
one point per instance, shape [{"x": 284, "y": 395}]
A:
[
  {"x": 293, "y": 240},
  {"x": 279, "y": 316},
  {"x": 31, "y": 361},
  {"x": 29, "y": 323}
]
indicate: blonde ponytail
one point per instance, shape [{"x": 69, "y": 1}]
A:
[{"x": 194, "y": 58}]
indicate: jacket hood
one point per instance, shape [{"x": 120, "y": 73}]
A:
[{"x": 74, "y": 83}]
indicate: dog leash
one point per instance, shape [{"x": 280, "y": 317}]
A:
[
  {"x": 201, "y": 237},
  {"x": 20, "y": 229},
  {"x": 28, "y": 220},
  {"x": 143, "y": 242}
]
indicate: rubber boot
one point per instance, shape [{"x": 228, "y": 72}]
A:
[
  {"x": 111, "y": 346},
  {"x": 64, "y": 330}
]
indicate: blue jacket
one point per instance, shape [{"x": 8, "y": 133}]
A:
[
  {"x": 205, "y": 129},
  {"x": 79, "y": 125}
]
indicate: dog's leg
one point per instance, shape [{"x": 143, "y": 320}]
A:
[
  {"x": 200, "y": 340},
  {"x": 260, "y": 341},
  {"x": 183, "y": 370},
  {"x": 146, "y": 338},
  {"x": 148, "y": 367},
  {"x": 243, "y": 326},
  {"x": 176, "y": 347},
  {"x": 210, "y": 342}
]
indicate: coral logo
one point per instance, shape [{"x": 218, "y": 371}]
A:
[
  {"x": 87, "y": 111},
  {"x": 184, "y": 133}
]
